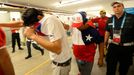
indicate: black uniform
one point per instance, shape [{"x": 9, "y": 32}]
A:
[{"x": 122, "y": 51}]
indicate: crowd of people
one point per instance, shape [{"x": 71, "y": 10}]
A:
[{"x": 113, "y": 33}]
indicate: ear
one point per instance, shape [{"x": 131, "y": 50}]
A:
[{"x": 39, "y": 17}]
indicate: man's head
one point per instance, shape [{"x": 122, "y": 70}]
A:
[
  {"x": 102, "y": 13},
  {"x": 31, "y": 16},
  {"x": 79, "y": 19},
  {"x": 118, "y": 7},
  {"x": 84, "y": 16}
]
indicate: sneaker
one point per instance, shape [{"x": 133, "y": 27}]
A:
[
  {"x": 13, "y": 51},
  {"x": 20, "y": 48},
  {"x": 28, "y": 57}
]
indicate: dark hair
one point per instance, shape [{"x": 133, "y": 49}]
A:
[
  {"x": 30, "y": 16},
  {"x": 84, "y": 16},
  {"x": 103, "y": 11}
]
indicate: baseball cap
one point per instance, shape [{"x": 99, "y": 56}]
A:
[
  {"x": 116, "y": 2},
  {"x": 77, "y": 20}
]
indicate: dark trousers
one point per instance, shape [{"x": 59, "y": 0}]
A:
[
  {"x": 85, "y": 68},
  {"x": 119, "y": 54},
  {"x": 34, "y": 45},
  {"x": 15, "y": 37}
]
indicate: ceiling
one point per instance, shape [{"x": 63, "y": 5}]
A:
[{"x": 90, "y": 6}]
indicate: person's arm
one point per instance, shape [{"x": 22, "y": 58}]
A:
[
  {"x": 54, "y": 46},
  {"x": 12, "y": 24},
  {"x": 66, "y": 26},
  {"x": 88, "y": 24},
  {"x": 95, "y": 20},
  {"x": 5, "y": 62},
  {"x": 107, "y": 34}
]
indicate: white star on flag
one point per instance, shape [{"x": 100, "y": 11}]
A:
[{"x": 88, "y": 38}]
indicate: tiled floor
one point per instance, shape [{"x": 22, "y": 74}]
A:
[{"x": 41, "y": 65}]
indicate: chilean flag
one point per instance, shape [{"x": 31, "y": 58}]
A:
[
  {"x": 87, "y": 36},
  {"x": 37, "y": 27}
]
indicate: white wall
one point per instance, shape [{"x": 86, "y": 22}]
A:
[{"x": 4, "y": 17}]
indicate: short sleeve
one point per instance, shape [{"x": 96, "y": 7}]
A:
[
  {"x": 54, "y": 29},
  {"x": 109, "y": 25}
]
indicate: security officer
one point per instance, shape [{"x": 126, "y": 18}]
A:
[{"x": 120, "y": 36}]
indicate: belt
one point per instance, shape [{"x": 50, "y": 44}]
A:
[
  {"x": 124, "y": 44},
  {"x": 66, "y": 63}
]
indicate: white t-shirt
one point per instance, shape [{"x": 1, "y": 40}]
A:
[{"x": 53, "y": 28}]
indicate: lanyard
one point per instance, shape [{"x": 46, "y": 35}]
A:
[{"x": 122, "y": 24}]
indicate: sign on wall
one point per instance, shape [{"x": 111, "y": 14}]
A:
[{"x": 130, "y": 10}]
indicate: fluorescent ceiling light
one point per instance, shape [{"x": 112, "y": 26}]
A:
[
  {"x": 95, "y": 8},
  {"x": 91, "y": 9},
  {"x": 96, "y": 13},
  {"x": 1, "y": 12},
  {"x": 71, "y": 1},
  {"x": 63, "y": 3},
  {"x": 82, "y": 9}
]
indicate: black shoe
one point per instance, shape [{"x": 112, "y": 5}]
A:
[
  {"x": 42, "y": 52},
  {"x": 20, "y": 48},
  {"x": 13, "y": 51},
  {"x": 28, "y": 57}
]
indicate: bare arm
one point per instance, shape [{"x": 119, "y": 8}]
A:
[
  {"x": 107, "y": 34},
  {"x": 66, "y": 26},
  {"x": 83, "y": 27},
  {"x": 54, "y": 46},
  {"x": 5, "y": 62},
  {"x": 12, "y": 24},
  {"x": 17, "y": 28},
  {"x": 88, "y": 24}
]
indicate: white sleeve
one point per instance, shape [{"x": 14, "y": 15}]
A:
[{"x": 54, "y": 29}]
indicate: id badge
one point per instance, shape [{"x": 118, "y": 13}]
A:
[{"x": 117, "y": 36}]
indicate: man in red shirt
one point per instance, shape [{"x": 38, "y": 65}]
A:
[
  {"x": 101, "y": 28},
  {"x": 15, "y": 37}
]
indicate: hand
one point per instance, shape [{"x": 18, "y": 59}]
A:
[
  {"x": 18, "y": 23},
  {"x": 29, "y": 32}
]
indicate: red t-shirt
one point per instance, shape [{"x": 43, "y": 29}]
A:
[
  {"x": 15, "y": 30},
  {"x": 2, "y": 38},
  {"x": 84, "y": 52},
  {"x": 101, "y": 24}
]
